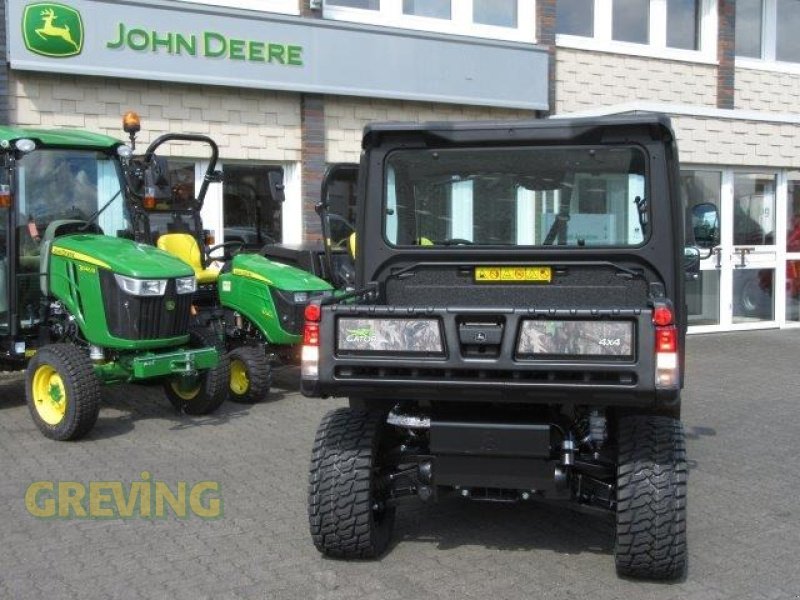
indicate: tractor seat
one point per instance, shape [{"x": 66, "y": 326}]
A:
[{"x": 185, "y": 247}]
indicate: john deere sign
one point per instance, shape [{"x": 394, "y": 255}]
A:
[
  {"x": 176, "y": 41},
  {"x": 52, "y": 29}
]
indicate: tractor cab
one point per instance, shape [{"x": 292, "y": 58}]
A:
[
  {"x": 63, "y": 182},
  {"x": 330, "y": 258}
]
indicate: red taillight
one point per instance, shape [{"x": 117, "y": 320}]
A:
[
  {"x": 666, "y": 339},
  {"x": 311, "y": 334},
  {"x": 662, "y": 315},
  {"x": 313, "y": 312}
]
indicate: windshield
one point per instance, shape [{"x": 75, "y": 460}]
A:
[
  {"x": 66, "y": 184},
  {"x": 587, "y": 196}
]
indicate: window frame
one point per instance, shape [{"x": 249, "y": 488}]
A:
[
  {"x": 390, "y": 14},
  {"x": 769, "y": 44},
  {"x": 284, "y": 7},
  {"x": 602, "y": 40}
]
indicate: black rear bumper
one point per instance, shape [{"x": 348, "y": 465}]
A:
[{"x": 506, "y": 377}]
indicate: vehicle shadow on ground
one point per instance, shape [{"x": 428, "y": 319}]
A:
[
  {"x": 12, "y": 391},
  {"x": 512, "y": 527},
  {"x": 144, "y": 402}
]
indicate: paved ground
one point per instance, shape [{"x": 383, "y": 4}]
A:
[{"x": 741, "y": 412}]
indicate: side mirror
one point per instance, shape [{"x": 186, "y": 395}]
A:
[
  {"x": 705, "y": 225},
  {"x": 276, "y": 187}
]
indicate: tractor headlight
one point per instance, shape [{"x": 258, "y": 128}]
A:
[
  {"x": 186, "y": 285},
  {"x": 142, "y": 287}
]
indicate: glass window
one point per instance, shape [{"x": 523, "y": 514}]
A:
[
  {"x": 501, "y": 13},
  {"x": 793, "y": 210},
  {"x": 366, "y": 4},
  {"x": 631, "y": 21},
  {"x": 250, "y": 213},
  {"x": 437, "y": 9},
  {"x": 793, "y": 290},
  {"x": 683, "y": 22},
  {"x": 753, "y": 295},
  {"x": 702, "y": 298},
  {"x": 753, "y": 209},
  {"x": 788, "y": 40},
  {"x": 575, "y": 17},
  {"x": 748, "y": 28},
  {"x": 566, "y": 196}
]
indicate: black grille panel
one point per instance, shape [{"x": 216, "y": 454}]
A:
[{"x": 144, "y": 318}]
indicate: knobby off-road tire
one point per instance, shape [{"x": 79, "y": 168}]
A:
[
  {"x": 62, "y": 392},
  {"x": 347, "y": 516},
  {"x": 251, "y": 374},
  {"x": 651, "y": 498},
  {"x": 212, "y": 384}
]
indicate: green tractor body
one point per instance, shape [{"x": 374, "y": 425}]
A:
[
  {"x": 86, "y": 308},
  {"x": 270, "y": 295},
  {"x": 254, "y": 304}
]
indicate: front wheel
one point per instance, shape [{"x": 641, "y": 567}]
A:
[
  {"x": 347, "y": 510},
  {"x": 251, "y": 374},
  {"x": 205, "y": 392},
  {"x": 651, "y": 498},
  {"x": 62, "y": 392}
]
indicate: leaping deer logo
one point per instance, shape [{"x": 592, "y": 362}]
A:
[
  {"x": 49, "y": 30},
  {"x": 52, "y": 29}
]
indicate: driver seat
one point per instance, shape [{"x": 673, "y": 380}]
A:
[{"x": 185, "y": 247}]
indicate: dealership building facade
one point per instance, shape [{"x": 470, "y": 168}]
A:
[{"x": 289, "y": 85}]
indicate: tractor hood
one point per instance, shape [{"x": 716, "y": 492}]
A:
[
  {"x": 121, "y": 256},
  {"x": 277, "y": 275}
]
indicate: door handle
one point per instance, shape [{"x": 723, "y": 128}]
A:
[
  {"x": 743, "y": 252},
  {"x": 718, "y": 253}
]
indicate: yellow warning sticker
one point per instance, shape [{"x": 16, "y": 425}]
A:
[{"x": 513, "y": 274}]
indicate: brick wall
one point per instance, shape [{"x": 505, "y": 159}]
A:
[
  {"x": 767, "y": 91},
  {"x": 585, "y": 80},
  {"x": 726, "y": 53},
  {"x": 247, "y": 124},
  {"x": 345, "y": 119},
  {"x": 736, "y": 142},
  {"x": 313, "y": 166}
]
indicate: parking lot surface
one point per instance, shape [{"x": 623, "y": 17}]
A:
[{"x": 741, "y": 413}]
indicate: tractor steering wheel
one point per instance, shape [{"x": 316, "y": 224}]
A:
[{"x": 226, "y": 255}]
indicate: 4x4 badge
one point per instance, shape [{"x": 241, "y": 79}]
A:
[{"x": 51, "y": 29}]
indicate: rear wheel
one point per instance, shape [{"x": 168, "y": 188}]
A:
[
  {"x": 62, "y": 392},
  {"x": 651, "y": 498},
  {"x": 251, "y": 374},
  {"x": 347, "y": 510},
  {"x": 205, "y": 392}
]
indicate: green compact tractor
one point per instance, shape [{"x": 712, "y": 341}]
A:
[
  {"x": 254, "y": 306},
  {"x": 84, "y": 308}
]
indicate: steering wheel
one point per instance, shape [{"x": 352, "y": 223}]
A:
[{"x": 226, "y": 255}]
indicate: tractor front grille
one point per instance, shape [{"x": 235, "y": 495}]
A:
[{"x": 144, "y": 317}]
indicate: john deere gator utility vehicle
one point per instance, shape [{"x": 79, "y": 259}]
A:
[
  {"x": 82, "y": 307},
  {"x": 517, "y": 332},
  {"x": 252, "y": 304}
]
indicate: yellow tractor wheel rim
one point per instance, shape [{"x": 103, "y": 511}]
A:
[
  {"x": 185, "y": 393},
  {"x": 239, "y": 381},
  {"x": 49, "y": 395}
]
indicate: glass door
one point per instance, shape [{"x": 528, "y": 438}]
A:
[
  {"x": 792, "y": 298},
  {"x": 752, "y": 252},
  {"x": 703, "y": 294}
]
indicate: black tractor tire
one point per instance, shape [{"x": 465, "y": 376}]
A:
[
  {"x": 251, "y": 374},
  {"x": 62, "y": 392},
  {"x": 651, "y": 498},
  {"x": 347, "y": 514},
  {"x": 212, "y": 384}
]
